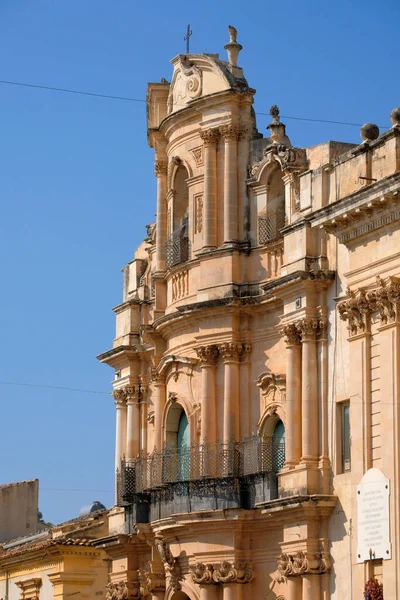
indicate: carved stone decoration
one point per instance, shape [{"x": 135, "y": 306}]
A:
[
  {"x": 228, "y": 572},
  {"x": 30, "y": 588},
  {"x": 209, "y": 136},
  {"x": 300, "y": 562},
  {"x": 233, "y": 351},
  {"x": 357, "y": 309},
  {"x": 202, "y": 573},
  {"x": 270, "y": 383},
  {"x": 207, "y": 354},
  {"x": 119, "y": 396},
  {"x": 291, "y": 334},
  {"x": 172, "y": 396},
  {"x": 127, "y": 394},
  {"x": 307, "y": 329},
  {"x": 193, "y": 77},
  {"x": 198, "y": 213},
  {"x": 150, "y": 582},
  {"x": 122, "y": 590},
  {"x": 171, "y": 564},
  {"x": 160, "y": 168},
  {"x": 198, "y": 156},
  {"x": 229, "y": 132}
]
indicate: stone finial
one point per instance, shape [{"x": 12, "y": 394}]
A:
[
  {"x": 278, "y": 130},
  {"x": 233, "y": 48},
  {"x": 369, "y": 132},
  {"x": 395, "y": 116}
]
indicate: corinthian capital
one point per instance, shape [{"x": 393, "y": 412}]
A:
[
  {"x": 160, "y": 168},
  {"x": 207, "y": 354},
  {"x": 209, "y": 136},
  {"x": 307, "y": 329},
  {"x": 229, "y": 132},
  {"x": 119, "y": 396},
  {"x": 291, "y": 335},
  {"x": 230, "y": 351}
]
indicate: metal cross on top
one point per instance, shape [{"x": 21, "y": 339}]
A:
[{"x": 187, "y": 38}]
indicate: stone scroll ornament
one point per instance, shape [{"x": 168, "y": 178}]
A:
[
  {"x": 171, "y": 564},
  {"x": 301, "y": 562},
  {"x": 193, "y": 78},
  {"x": 226, "y": 572}
]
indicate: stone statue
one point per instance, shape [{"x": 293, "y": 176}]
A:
[{"x": 232, "y": 34}]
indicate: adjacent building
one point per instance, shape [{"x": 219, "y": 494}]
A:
[{"x": 257, "y": 357}]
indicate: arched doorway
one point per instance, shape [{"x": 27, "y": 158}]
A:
[
  {"x": 177, "y": 245},
  {"x": 183, "y": 441}
]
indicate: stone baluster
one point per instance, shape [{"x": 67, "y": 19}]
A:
[
  {"x": 293, "y": 395},
  {"x": 230, "y": 136},
  {"x": 210, "y": 140}
]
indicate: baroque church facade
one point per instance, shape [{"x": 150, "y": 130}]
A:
[{"x": 256, "y": 355}]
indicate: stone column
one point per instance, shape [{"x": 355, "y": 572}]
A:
[
  {"x": 133, "y": 422},
  {"x": 143, "y": 417},
  {"x": 293, "y": 395},
  {"x": 245, "y": 393},
  {"x": 120, "y": 433},
  {"x": 243, "y": 198},
  {"x": 230, "y": 352},
  {"x": 210, "y": 139},
  {"x": 309, "y": 404},
  {"x": 311, "y": 586},
  {"x": 160, "y": 171},
  {"x": 293, "y": 586},
  {"x": 208, "y": 359},
  {"x": 159, "y": 404},
  {"x": 230, "y": 136},
  {"x": 208, "y": 592},
  {"x": 324, "y": 461}
]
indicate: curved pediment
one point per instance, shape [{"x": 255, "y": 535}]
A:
[{"x": 200, "y": 75}]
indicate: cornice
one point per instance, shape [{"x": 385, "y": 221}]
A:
[
  {"x": 323, "y": 276},
  {"x": 346, "y": 206}
]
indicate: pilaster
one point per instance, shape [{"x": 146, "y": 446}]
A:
[
  {"x": 210, "y": 139},
  {"x": 230, "y": 135},
  {"x": 208, "y": 359}
]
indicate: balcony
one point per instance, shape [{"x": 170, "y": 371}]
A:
[
  {"x": 203, "y": 477},
  {"x": 269, "y": 226}
]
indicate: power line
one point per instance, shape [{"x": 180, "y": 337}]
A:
[
  {"x": 68, "y": 91},
  {"x": 53, "y": 387},
  {"x": 130, "y": 99},
  {"x": 43, "y": 489}
]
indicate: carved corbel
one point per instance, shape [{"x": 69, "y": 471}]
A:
[
  {"x": 150, "y": 582},
  {"x": 356, "y": 311},
  {"x": 171, "y": 564}
]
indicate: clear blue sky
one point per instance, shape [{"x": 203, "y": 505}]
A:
[{"x": 77, "y": 185}]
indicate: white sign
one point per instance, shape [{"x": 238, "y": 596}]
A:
[{"x": 373, "y": 517}]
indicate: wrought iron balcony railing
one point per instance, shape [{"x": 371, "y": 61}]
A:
[
  {"x": 203, "y": 470},
  {"x": 176, "y": 249},
  {"x": 269, "y": 226}
]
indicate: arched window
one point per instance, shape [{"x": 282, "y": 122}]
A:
[
  {"x": 273, "y": 444},
  {"x": 178, "y": 443},
  {"x": 177, "y": 246},
  {"x": 271, "y": 217}
]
